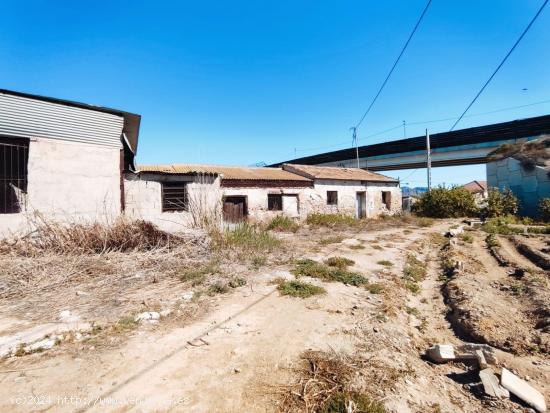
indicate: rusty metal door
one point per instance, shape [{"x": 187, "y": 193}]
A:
[{"x": 234, "y": 209}]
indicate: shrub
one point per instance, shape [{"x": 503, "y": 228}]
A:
[
  {"x": 217, "y": 288},
  {"x": 339, "y": 262},
  {"x": 283, "y": 223},
  {"x": 385, "y": 263},
  {"x": 444, "y": 202},
  {"x": 299, "y": 289},
  {"x": 249, "y": 237},
  {"x": 330, "y": 220},
  {"x": 501, "y": 203},
  {"x": 310, "y": 268},
  {"x": 544, "y": 209}
]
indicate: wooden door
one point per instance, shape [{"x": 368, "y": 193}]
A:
[{"x": 234, "y": 209}]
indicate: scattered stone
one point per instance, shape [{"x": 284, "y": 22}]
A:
[
  {"x": 522, "y": 390},
  {"x": 468, "y": 351},
  {"x": 82, "y": 293},
  {"x": 453, "y": 232},
  {"x": 441, "y": 353},
  {"x": 236, "y": 370},
  {"x": 45, "y": 344},
  {"x": 491, "y": 385},
  {"x": 66, "y": 316},
  {"x": 188, "y": 296},
  {"x": 147, "y": 316}
]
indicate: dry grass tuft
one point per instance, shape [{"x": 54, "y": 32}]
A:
[
  {"x": 92, "y": 238},
  {"x": 325, "y": 384}
]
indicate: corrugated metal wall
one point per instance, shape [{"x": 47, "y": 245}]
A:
[{"x": 30, "y": 118}]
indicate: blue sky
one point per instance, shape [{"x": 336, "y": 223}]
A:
[{"x": 236, "y": 82}]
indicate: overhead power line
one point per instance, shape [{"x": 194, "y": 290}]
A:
[
  {"x": 502, "y": 62},
  {"x": 395, "y": 64}
]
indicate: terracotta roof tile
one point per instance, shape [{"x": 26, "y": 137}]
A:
[
  {"x": 228, "y": 172},
  {"x": 337, "y": 173}
]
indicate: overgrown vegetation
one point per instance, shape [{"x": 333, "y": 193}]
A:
[
  {"x": 339, "y": 262},
  {"x": 441, "y": 202},
  {"x": 501, "y": 203},
  {"x": 374, "y": 288},
  {"x": 326, "y": 385},
  {"x": 310, "y": 268},
  {"x": 330, "y": 220},
  {"x": 197, "y": 275},
  {"x": 296, "y": 288},
  {"x": 217, "y": 288},
  {"x": 414, "y": 271},
  {"x": 248, "y": 237},
  {"x": 283, "y": 223},
  {"x": 122, "y": 235},
  {"x": 530, "y": 154},
  {"x": 385, "y": 263},
  {"x": 336, "y": 239},
  {"x": 502, "y": 225},
  {"x": 544, "y": 209}
]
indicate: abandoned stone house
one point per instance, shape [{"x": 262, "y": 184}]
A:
[
  {"x": 74, "y": 162},
  {"x": 61, "y": 159},
  {"x": 168, "y": 194}
]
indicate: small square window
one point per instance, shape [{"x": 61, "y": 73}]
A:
[
  {"x": 274, "y": 202},
  {"x": 332, "y": 197},
  {"x": 174, "y": 196}
]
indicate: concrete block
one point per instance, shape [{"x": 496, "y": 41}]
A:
[
  {"x": 513, "y": 165},
  {"x": 440, "y": 353},
  {"x": 529, "y": 183},
  {"x": 491, "y": 385},
  {"x": 522, "y": 390}
]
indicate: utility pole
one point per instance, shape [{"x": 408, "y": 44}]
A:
[
  {"x": 354, "y": 141},
  {"x": 428, "y": 160},
  {"x": 404, "y": 129}
]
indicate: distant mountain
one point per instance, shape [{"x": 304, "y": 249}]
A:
[{"x": 416, "y": 191}]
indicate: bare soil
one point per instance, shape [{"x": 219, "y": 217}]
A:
[{"x": 240, "y": 350}]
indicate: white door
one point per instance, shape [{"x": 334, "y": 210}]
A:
[{"x": 290, "y": 205}]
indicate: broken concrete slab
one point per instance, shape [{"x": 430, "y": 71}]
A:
[
  {"x": 491, "y": 385},
  {"x": 522, "y": 390},
  {"x": 147, "y": 316},
  {"x": 481, "y": 361},
  {"x": 441, "y": 353}
]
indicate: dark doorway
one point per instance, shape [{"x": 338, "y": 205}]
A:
[
  {"x": 386, "y": 199},
  {"x": 234, "y": 209}
]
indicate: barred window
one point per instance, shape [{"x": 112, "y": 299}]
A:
[
  {"x": 332, "y": 197},
  {"x": 14, "y": 154},
  {"x": 274, "y": 202},
  {"x": 174, "y": 196}
]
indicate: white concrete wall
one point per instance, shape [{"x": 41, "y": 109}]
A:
[
  {"x": 144, "y": 199},
  {"x": 68, "y": 182},
  {"x": 314, "y": 200}
]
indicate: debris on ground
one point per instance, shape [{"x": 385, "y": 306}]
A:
[{"x": 522, "y": 390}]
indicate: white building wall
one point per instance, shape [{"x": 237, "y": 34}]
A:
[
  {"x": 143, "y": 198},
  {"x": 69, "y": 182},
  {"x": 314, "y": 200}
]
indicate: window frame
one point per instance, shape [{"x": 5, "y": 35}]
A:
[
  {"x": 183, "y": 198},
  {"x": 269, "y": 202},
  {"x": 332, "y": 198},
  {"x": 14, "y": 158}
]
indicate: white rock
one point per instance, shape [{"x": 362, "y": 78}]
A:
[
  {"x": 81, "y": 293},
  {"x": 188, "y": 296},
  {"x": 66, "y": 316},
  {"x": 522, "y": 390},
  {"x": 147, "y": 316},
  {"x": 441, "y": 353},
  {"x": 491, "y": 386},
  {"x": 453, "y": 232},
  {"x": 468, "y": 351},
  {"x": 45, "y": 344}
]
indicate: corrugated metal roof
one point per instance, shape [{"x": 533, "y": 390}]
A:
[
  {"x": 131, "y": 120},
  {"x": 228, "y": 172},
  {"x": 330, "y": 172}
]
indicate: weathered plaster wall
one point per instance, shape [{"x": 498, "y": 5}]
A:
[
  {"x": 528, "y": 186},
  {"x": 256, "y": 199},
  {"x": 68, "y": 181},
  {"x": 144, "y": 199},
  {"x": 314, "y": 200}
]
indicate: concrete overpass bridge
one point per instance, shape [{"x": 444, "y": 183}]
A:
[{"x": 461, "y": 147}]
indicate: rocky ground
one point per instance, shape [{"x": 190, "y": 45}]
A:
[{"x": 218, "y": 335}]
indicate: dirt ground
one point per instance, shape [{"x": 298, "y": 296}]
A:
[{"x": 237, "y": 350}]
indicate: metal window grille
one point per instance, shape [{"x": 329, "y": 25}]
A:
[
  {"x": 274, "y": 202},
  {"x": 332, "y": 197},
  {"x": 14, "y": 154},
  {"x": 174, "y": 196}
]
